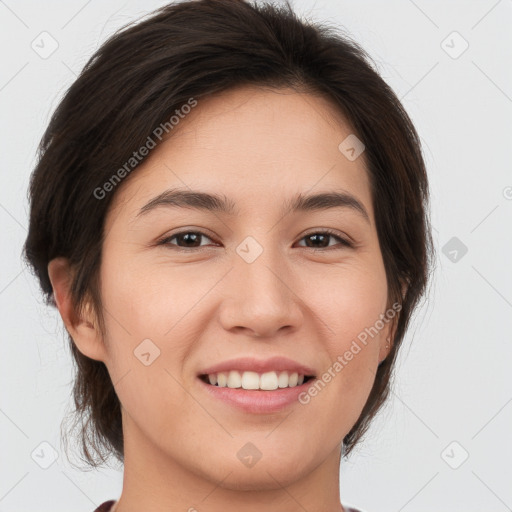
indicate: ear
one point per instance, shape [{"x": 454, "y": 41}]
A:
[
  {"x": 404, "y": 288},
  {"x": 83, "y": 329},
  {"x": 387, "y": 338},
  {"x": 386, "y": 343}
]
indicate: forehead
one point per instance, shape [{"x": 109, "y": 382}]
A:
[{"x": 252, "y": 145}]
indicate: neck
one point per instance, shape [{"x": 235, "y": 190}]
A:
[{"x": 155, "y": 482}]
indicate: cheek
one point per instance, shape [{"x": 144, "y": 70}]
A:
[
  {"x": 150, "y": 317},
  {"x": 139, "y": 309},
  {"x": 349, "y": 300},
  {"x": 146, "y": 299},
  {"x": 351, "y": 305},
  {"x": 346, "y": 380}
]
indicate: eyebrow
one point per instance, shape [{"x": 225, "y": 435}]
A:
[{"x": 197, "y": 200}]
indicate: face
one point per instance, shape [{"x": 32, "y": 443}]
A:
[{"x": 187, "y": 287}]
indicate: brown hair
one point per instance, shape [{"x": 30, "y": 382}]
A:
[{"x": 136, "y": 81}]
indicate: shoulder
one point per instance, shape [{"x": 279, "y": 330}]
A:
[
  {"x": 348, "y": 508},
  {"x": 107, "y": 506}
]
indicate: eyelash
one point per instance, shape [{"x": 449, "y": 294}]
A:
[{"x": 343, "y": 242}]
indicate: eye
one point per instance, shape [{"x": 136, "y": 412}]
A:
[
  {"x": 321, "y": 238},
  {"x": 192, "y": 240},
  {"x": 189, "y": 239}
]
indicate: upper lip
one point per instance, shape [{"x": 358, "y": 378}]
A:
[{"x": 278, "y": 363}]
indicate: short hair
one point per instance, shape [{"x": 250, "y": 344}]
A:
[{"x": 136, "y": 80}]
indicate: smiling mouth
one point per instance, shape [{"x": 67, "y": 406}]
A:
[{"x": 253, "y": 381}]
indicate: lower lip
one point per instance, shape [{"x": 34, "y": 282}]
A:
[{"x": 257, "y": 401}]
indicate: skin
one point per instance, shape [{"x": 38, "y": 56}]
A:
[{"x": 206, "y": 304}]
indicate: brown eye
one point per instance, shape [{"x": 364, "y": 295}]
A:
[
  {"x": 185, "y": 239},
  {"x": 192, "y": 240},
  {"x": 321, "y": 240}
]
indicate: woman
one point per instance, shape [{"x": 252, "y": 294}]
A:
[{"x": 230, "y": 211}]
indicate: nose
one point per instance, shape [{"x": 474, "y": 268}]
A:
[{"x": 260, "y": 299}]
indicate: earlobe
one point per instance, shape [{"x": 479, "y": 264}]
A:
[
  {"x": 387, "y": 344},
  {"x": 385, "y": 349},
  {"x": 387, "y": 341},
  {"x": 404, "y": 289},
  {"x": 81, "y": 328}
]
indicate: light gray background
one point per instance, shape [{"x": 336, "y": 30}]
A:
[{"x": 453, "y": 380}]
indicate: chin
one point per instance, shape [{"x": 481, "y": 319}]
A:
[{"x": 264, "y": 479}]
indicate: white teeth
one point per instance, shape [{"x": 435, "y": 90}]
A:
[
  {"x": 234, "y": 379},
  {"x": 252, "y": 380},
  {"x": 282, "y": 381},
  {"x": 268, "y": 381},
  {"x": 222, "y": 380}
]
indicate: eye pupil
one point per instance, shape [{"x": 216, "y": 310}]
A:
[
  {"x": 189, "y": 237},
  {"x": 317, "y": 237}
]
